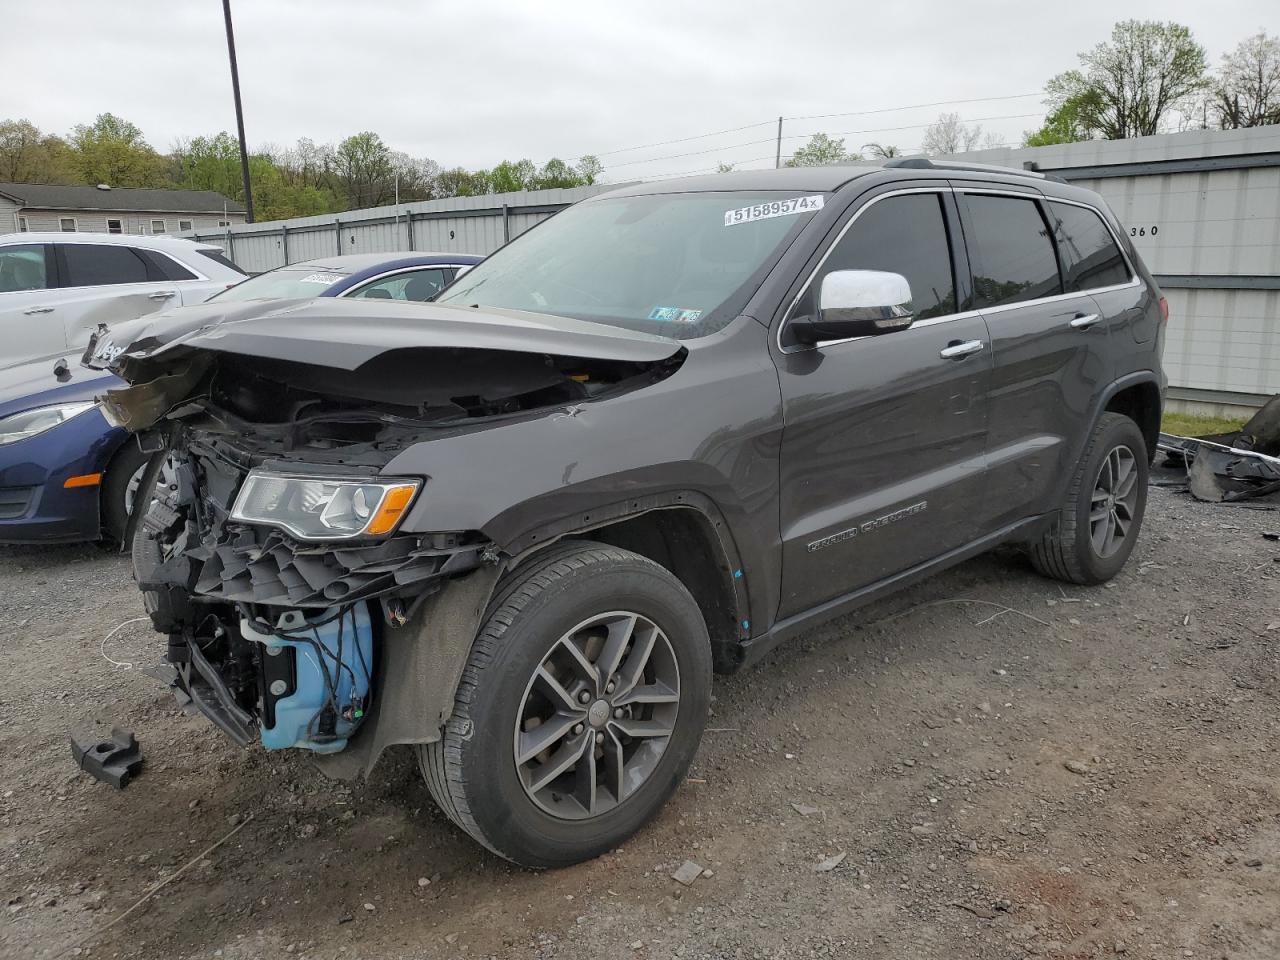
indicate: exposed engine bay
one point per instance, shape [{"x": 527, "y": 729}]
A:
[{"x": 276, "y": 561}]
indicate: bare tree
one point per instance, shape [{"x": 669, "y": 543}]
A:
[
  {"x": 1247, "y": 90},
  {"x": 950, "y": 135},
  {"x": 881, "y": 151}
]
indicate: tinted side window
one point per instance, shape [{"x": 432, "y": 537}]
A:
[
  {"x": 164, "y": 267},
  {"x": 23, "y": 267},
  {"x": 217, "y": 256},
  {"x": 1090, "y": 257},
  {"x": 906, "y": 235},
  {"x": 416, "y": 285},
  {"x": 91, "y": 265},
  {"x": 1012, "y": 255}
]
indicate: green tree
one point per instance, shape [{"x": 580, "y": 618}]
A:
[
  {"x": 459, "y": 182},
  {"x": 512, "y": 175},
  {"x": 112, "y": 150},
  {"x": 1129, "y": 86},
  {"x": 28, "y": 155},
  {"x": 363, "y": 171},
  {"x": 820, "y": 151},
  {"x": 723, "y": 167},
  {"x": 588, "y": 169},
  {"x": 1069, "y": 122},
  {"x": 556, "y": 173},
  {"x": 211, "y": 163},
  {"x": 1247, "y": 90}
]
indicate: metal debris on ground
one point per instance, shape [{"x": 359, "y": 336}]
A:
[
  {"x": 115, "y": 761},
  {"x": 1229, "y": 467}
]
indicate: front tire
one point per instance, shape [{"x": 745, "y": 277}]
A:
[
  {"x": 579, "y": 710},
  {"x": 1098, "y": 525}
]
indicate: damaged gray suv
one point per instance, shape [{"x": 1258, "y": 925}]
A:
[{"x": 519, "y": 528}]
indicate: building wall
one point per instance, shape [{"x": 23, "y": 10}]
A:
[
  {"x": 455, "y": 225},
  {"x": 95, "y": 221}
]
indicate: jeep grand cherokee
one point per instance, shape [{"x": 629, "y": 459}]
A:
[{"x": 675, "y": 424}]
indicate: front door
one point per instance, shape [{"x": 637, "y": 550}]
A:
[
  {"x": 1049, "y": 343},
  {"x": 882, "y": 461}
]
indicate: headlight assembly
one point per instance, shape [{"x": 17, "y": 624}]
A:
[
  {"x": 324, "y": 508},
  {"x": 29, "y": 423}
]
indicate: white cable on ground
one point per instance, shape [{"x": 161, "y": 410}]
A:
[{"x": 102, "y": 647}]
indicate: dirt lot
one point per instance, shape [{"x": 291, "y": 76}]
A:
[{"x": 925, "y": 741}]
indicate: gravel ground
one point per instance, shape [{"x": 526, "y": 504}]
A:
[{"x": 1091, "y": 773}]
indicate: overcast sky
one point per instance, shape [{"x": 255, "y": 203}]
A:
[{"x": 478, "y": 81}]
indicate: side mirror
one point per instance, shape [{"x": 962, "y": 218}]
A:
[{"x": 857, "y": 303}]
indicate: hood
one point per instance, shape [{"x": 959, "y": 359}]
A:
[
  {"x": 34, "y": 383},
  {"x": 346, "y": 334}
]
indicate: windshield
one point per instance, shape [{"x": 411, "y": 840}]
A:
[
  {"x": 286, "y": 283},
  {"x": 679, "y": 264}
]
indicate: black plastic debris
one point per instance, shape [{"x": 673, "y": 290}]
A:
[
  {"x": 115, "y": 761},
  {"x": 1219, "y": 473}
]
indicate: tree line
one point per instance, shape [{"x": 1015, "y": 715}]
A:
[
  {"x": 303, "y": 180},
  {"x": 1150, "y": 77}
]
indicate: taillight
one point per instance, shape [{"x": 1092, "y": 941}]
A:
[{"x": 1164, "y": 310}]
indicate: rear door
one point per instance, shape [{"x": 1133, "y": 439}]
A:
[
  {"x": 1049, "y": 346},
  {"x": 107, "y": 283},
  {"x": 882, "y": 462},
  {"x": 30, "y": 324}
]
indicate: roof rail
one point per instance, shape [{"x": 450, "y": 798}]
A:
[{"x": 924, "y": 163}]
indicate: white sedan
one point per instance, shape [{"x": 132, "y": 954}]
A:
[{"x": 55, "y": 288}]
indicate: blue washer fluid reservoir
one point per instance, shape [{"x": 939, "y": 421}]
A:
[{"x": 332, "y": 655}]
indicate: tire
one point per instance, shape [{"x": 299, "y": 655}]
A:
[
  {"x": 1072, "y": 549},
  {"x": 122, "y": 468},
  {"x": 475, "y": 771}
]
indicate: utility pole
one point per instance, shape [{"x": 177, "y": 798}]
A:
[
  {"x": 235, "y": 90},
  {"x": 777, "y": 160}
]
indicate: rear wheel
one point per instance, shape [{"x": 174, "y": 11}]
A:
[
  {"x": 1098, "y": 525},
  {"x": 579, "y": 710}
]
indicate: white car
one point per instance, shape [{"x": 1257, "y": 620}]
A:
[{"x": 55, "y": 288}]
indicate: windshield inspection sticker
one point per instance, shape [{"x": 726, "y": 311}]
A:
[
  {"x": 674, "y": 313},
  {"x": 775, "y": 208},
  {"x": 325, "y": 278}
]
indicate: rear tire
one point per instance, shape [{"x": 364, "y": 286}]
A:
[
  {"x": 1098, "y": 525},
  {"x": 610, "y": 606}
]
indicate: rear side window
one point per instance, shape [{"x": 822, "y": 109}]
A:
[
  {"x": 23, "y": 267},
  {"x": 93, "y": 265},
  {"x": 216, "y": 255},
  {"x": 1090, "y": 257},
  {"x": 166, "y": 268},
  {"x": 1012, "y": 256},
  {"x": 906, "y": 235}
]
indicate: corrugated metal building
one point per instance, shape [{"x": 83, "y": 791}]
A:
[
  {"x": 1203, "y": 209},
  {"x": 456, "y": 225}
]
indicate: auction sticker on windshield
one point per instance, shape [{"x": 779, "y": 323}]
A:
[
  {"x": 325, "y": 278},
  {"x": 775, "y": 208}
]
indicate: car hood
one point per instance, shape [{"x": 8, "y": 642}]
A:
[
  {"x": 346, "y": 334},
  {"x": 35, "y": 384}
]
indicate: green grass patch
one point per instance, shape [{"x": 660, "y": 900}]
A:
[{"x": 1186, "y": 425}]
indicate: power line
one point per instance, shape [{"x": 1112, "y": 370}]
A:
[
  {"x": 801, "y": 136},
  {"x": 916, "y": 106},
  {"x": 819, "y": 116}
]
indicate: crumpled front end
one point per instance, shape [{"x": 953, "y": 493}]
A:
[{"x": 299, "y": 609}]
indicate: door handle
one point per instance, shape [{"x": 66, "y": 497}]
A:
[
  {"x": 958, "y": 351},
  {"x": 163, "y": 294},
  {"x": 1084, "y": 321},
  {"x": 38, "y": 310}
]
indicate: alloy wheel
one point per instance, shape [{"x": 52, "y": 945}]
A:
[
  {"x": 1114, "y": 500},
  {"x": 597, "y": 715}
]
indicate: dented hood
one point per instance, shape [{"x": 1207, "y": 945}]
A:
[{"x": 347, "y": 333}]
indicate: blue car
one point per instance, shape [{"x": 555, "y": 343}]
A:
[{"x": 67, "y": 475}]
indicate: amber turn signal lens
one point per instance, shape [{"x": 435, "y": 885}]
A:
[
  {"x": 84, "y": 480},
  {"x": 391, "y": 510}
]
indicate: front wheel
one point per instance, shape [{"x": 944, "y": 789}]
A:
[
  {"x": 1098, "y": 526},
  {"x": 579, "y": 710}
]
